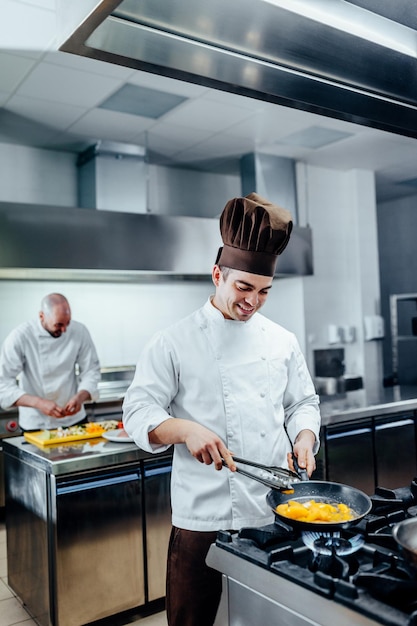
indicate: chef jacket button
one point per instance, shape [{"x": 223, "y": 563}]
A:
[
  {"x": 226, "y": 393},
  {"x": 263, "y": 433},
  {"x": 263, "y": 394},
  {"x": 263, "y": 358}
]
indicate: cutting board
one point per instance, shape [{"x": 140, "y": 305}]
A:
[{"x": 53, "y": 437}]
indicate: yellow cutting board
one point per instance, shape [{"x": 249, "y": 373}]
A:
[{"x": 50, "y": 438}]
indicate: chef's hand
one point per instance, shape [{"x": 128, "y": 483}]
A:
[
  {"x": 203, "y": 444},
  {"x": 303, "y": 451},
  {"x": 208, "y": 448},
  {"x": 47, "y": 407},
  {"x": 75, "y": 403}
]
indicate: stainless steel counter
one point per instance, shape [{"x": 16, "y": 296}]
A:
[
  {"x": 72, "y": 457},
  {"x": 78, "y": 517},
  {"x": 355, "y": 406}
]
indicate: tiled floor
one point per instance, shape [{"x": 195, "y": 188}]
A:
[{"x": 12, "y": 611}]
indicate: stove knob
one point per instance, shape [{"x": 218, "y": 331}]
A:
[{"x": 12, "y": 426}]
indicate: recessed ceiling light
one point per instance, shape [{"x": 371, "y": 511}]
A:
[
  {"x": 142, "y": 101},
  {"x": 314, "y": 137}
]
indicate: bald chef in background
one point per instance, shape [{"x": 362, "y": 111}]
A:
[
  {"x": 44, "y": 353},
  {"x": 225, "y": 380}
]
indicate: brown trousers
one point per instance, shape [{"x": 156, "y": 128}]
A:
[{"x": 193, "y": 588}]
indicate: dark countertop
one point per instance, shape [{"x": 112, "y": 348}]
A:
[{"x": 356, "y": 406}]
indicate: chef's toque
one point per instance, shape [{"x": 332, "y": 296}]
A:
[{"x": 254, "y": 232}]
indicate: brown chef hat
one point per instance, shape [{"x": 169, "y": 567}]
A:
[{"x": 254, "y": 232}]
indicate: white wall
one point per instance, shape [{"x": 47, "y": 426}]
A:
[
  {"x": 341, "y": 209},
  {"x": 121, "y": 317}
]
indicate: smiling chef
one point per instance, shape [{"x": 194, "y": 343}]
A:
[{"x": 223, "y": 381}]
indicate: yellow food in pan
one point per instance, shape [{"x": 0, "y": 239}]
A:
[{"x": 312, "y": 511}]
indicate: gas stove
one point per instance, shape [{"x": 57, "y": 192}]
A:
[{"x": 277, "y": 575}]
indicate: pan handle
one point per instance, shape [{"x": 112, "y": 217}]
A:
[{"x": 301, "y": 472}]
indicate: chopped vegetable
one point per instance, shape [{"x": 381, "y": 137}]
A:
[
  {"x": 80, "y": 429},
  {"x": 312, "y": 511}
]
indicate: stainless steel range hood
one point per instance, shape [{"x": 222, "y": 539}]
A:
[
  {"x": 62, "y": 243},
  {"x": 349, "y": 59},
  {"x": 113, "y": 236}
]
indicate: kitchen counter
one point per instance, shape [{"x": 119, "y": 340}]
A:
[
  {"x": 79, "y": 515},
  {"x": 354, "y": 406},
  {"x": 71, "y": 457}
]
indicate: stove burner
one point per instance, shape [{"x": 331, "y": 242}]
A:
[{"x": 332, "y": 543}]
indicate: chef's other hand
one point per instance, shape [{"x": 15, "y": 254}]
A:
[
  {"x": 208, "y": 448},
  {"x": 72, "y": 407},
  {"x": 75, "y": 403},
  {"x": 303, "y": 451}
]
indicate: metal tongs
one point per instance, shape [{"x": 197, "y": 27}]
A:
[{"x": 272, "y": 477}]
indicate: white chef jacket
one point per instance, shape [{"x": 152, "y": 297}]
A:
[
  {"x": 46, "y": 368},
  {"x": 243, "y": 380}
]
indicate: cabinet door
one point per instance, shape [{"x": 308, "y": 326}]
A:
[
  {"x": 99, "y": 564},
  {"x": 158, "y": 523},
  {"x": 395, "y": 445},
  {"x": 350, "y": 456}
]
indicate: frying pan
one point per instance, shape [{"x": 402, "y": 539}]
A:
[
  {"x": 405, "y": 534},
  {"x": 321, "y": 491}
]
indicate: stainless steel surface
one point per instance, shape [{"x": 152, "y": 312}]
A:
[
  {"x": 395, "y": 451},
  {"x": 288, "y": 53},
  {"x": 114, "y": 382},
  {"x": 9, "y": 427},
  {"x": 365, "y": 453},
  {"x": 98, "y": 545},
  {"x": 257, "y": 595},
  {"x": 75, "y": 537},
  {"x": 157, "y": 483},
  {"x": 349, "y": 455},
  {"x": 113, "y": 177},
  {"x": 70, "y": 543},
  {"x": 405, "y": 534},
  {"x": 28, "y": 537},
  {"x": 271, "y": 177},
  {"x": 71, "y": 457},
  {"x": 333, "y": 415},
  {"x": 119, "y": 246}
]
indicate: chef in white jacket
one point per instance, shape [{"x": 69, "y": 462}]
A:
[
  {"x": 38, "y": 362},
  {"x": 223, "y": 381}
]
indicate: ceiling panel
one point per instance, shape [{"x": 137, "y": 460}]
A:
[{"x": 51, "y": 99}]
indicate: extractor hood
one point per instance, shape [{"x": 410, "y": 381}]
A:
[
  {"x": 111, "y": 235},
  {"x": 350, "y": 59},
  {"x": 63, "y": 243}
]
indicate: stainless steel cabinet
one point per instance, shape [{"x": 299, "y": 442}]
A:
[
  {"x": 87, "y": 526},
  {"x": 395, "y": 451},
  {"x": 377, "y": 452},
  {"x": 98, "y": 546},
  {"x": 157, "y": 479},
  {"x": 349, "y": 455}
]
